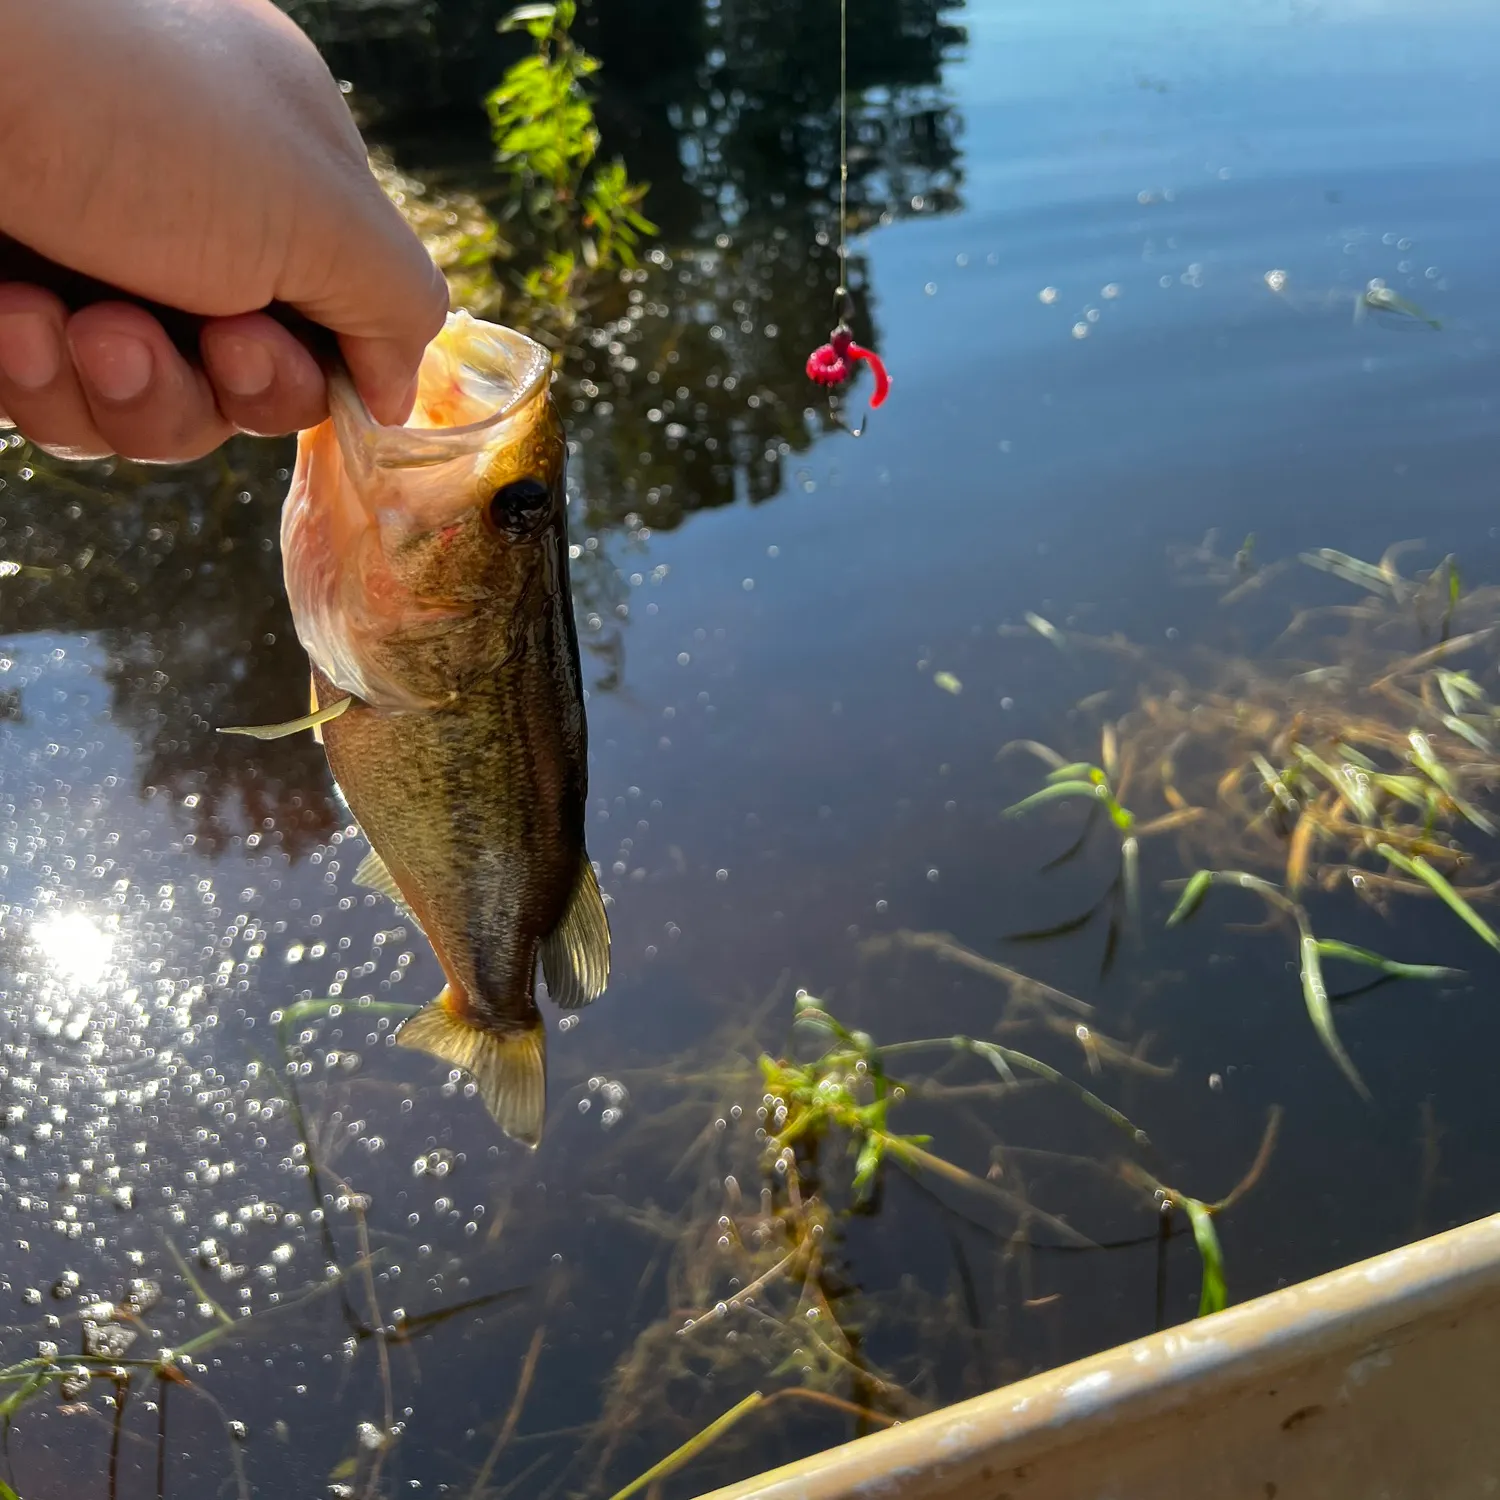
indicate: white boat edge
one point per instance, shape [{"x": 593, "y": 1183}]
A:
[{"x": 1378, "y": 1380}]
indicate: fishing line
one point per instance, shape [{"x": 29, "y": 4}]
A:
[
  {"x": 841, "y": 292},
  {"x": 833, "y": 363}
]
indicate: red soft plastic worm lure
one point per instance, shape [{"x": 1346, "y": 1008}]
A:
[{"x": 831, "y": 364}]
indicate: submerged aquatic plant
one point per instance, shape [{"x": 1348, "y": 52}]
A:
[
  {"x": 1364, "y": 770},
  {"x": 1082, "y": 780},
  {"x": 1311, "y": 951},
  {"x": 763, "y": 1287}
]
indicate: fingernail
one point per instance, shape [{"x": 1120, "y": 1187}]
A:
[
  {"x": 29, "y": 355},
  {"x": 244, "y": 367},
  {"x": 117, "y": 365}
]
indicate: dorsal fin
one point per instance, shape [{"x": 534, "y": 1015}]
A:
[{"x": 575, "y": 954}]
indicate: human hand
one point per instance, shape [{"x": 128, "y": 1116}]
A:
[{"x": 196, "y": 154}]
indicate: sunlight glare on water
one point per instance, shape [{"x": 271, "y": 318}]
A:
[{"x": 75, "y": 949}]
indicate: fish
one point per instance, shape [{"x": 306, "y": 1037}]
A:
[{"x": 427, "y": 570}]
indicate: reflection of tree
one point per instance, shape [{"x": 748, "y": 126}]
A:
[
  {"x": 689, "y": 391},
  {"x": 692, "y": 390},
  {"x": 750, "y": 98},
  {"x": 695, "y": 401},
  {"x": 177, "y": 576},
  {"x": 694, "y": 95}
]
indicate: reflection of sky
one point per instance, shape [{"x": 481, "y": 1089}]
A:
[
  {"x": 1218, "y": 65},
  {"x": 1334, "y": 145}
]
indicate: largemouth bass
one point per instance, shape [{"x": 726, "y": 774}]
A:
[{"x": 427, "y": 568}]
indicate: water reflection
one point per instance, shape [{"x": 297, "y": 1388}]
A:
[
  {"x": 175, "y": 576},
  {"x": 688, "y": 389}
]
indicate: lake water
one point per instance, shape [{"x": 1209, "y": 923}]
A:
[{"x": 1072, "y": 211}]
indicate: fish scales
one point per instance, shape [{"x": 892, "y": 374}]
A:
[{"x": 477, "y": 810}]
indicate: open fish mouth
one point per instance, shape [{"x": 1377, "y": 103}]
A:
[{"x": 478, "y": 382}]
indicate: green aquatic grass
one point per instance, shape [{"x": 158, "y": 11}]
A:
[
  {"x": 1349, "y": 782},
  {"x": 1275, "y": 783},
  {"x": 693, "y": 1447},
  {"x": 1332, "y": 948},
  {"x": 1006, "y": 1060},
  {"x": 1426, "y": 761},
  {"x": 1312, "y": 772},
  {"x": 1197, "y": 887},
  {"x": 1078, "y": 770},
  {"x": 1214, "y": 1294},
  {"x": 1419, "y": 869},
  {"x": 1311, "y": 951},
  {"x": 1460, "y": 692},
  {"x": 1058, "y": 791},
  {"x": 1466, "y": 731},
  {"x": 832, "y": 1102},
  {"x": 1046, "y": 629},
  {"x": 1320, "y": 1012},
  {"x": 1071, "y": 779},
  {"x": 1351, "y": 569}
]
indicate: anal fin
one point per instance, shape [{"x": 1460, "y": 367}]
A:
[
  {"x": 509, "y": 1067},
  {"x": 575, "y": 954},
  {"x": 375, "y": 875},
  {"x": 292, "y": 726}
]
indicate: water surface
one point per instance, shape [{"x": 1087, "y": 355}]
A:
[{"x": 777, "y": 778}]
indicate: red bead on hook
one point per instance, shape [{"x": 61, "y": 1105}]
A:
[{"x": 831, "y": 364}]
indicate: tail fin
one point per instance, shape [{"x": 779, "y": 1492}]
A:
[{"x": 509, "y": 1067}]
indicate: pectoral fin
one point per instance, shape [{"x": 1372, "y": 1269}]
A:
[
  {"x": 575, "y": 954},
  {"x": 509, "y": 1067},
  {"x": 292, "y": 726},
  {"x": 312, "y": 705}
]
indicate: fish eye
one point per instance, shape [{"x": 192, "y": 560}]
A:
[{"x": 517, "y": 508}]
